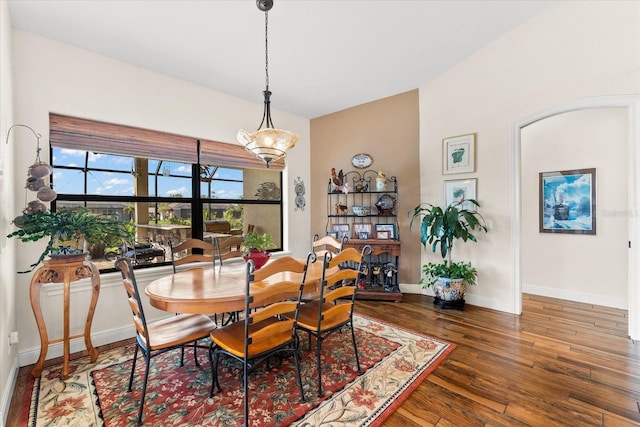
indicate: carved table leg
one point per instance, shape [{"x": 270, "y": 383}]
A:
[
  {"x": 34, "y": 292},
  {"x": 95, "y": 292}
]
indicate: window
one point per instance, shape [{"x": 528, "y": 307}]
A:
[{"x": 164, "y": 199}]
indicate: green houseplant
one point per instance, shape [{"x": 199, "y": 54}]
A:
[
  {"x": 67, "y": 230},
  {"x": 440, "y": 228},
  {"x": 254, "y": 247}
]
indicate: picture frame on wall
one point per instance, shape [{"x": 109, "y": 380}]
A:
[
  {"x": 362, "y": 230},
  {"x": 341, "y": 230},
  {"x": 390, "y": 229},
  {"x": 567, "y": 201},
  {"x": 459, "y": 154},
  {"x": 457, "y": 190}
]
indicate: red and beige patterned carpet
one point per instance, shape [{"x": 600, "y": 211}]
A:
[{"x": 393, "y": 362}]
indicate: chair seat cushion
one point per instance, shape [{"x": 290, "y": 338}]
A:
[
  {"x": 308, "y": 316},
  {"x": 231, "y": 337},
  {"x": 179, "y": 329}
]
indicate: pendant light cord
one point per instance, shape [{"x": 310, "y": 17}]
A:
[{"x": 266, "y": 49}]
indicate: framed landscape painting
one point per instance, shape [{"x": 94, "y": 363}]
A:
[{"x": 568, "y": 201}]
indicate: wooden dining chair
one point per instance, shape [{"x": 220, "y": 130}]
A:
[
  {"x": 270, "y": 293},
  {"x": 152, "y": 339},
  {"x": 320, "y": 245},
  {"x": 177, "y": 259},
  {"x": 229, "y": 248},
  {"x": 333, "y": 310}
]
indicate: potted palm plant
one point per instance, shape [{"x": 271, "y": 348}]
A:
[
  {"x": 254, "y": 247},
  {"x": 68, "y": 229},
  {"x": 440, "y": 228}
]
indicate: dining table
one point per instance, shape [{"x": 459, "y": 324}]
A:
[{"x": 219, "y": 289}]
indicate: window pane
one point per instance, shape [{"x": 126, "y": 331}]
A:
[
  {"x": 145, "y": 250},
  {"x": 138, "y": 190}
]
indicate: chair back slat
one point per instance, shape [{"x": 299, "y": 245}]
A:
[
  {"x": 229, "y": 248},
  {"x": 322, "y": 245},
  {"x": 271, "y": 293},
  {"x": 178, "y": 259},
  {"x": 339, "y": 276},
  {"x": 135, "y": 301}
]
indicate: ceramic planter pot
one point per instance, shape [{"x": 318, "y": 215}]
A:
[
  {"x": 64, "y": 244},
  {"x": 447, "y": 289}
]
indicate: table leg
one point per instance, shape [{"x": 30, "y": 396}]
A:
[
  {"x": 95, "y": 292},
  {"x": 34, "y": 293},
  {"x": 65, "y": 340}
]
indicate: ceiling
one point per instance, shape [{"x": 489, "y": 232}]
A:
[{"x": 324, "y": 55}]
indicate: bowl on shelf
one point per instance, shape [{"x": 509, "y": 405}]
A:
[{"x": 361, "y": 210}]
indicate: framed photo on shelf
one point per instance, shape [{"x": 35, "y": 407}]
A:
[
  {"x": 390, "y": 229},
  {"x": 459, "y": 154},
  {"x": 341, "y": 230},
  {"x": 568, "y": 201},
  {"x": 383, "y": 235},
  {"x": 457, "y": 190},
  {"x": 362, "y": 230}
]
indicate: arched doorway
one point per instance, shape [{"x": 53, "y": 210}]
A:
[{"x": 632, "y": 104}]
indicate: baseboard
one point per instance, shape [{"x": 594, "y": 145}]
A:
[
  {"x": 606, "y": 301},
  {"x": 7, "y": 392},
  {"x": 30, "y": 356}
]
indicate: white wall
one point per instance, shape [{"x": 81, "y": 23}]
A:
[
  {"x": 570, "y": 51},
  {"x": 8, "y": 354},
  {"x": 53, "y": 77},
  {"x": 587, "y": 268}
]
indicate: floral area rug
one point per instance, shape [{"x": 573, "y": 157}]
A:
[{"x": 393, "y": 362}]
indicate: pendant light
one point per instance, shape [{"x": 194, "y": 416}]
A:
[{"x": 268, "y": 143}]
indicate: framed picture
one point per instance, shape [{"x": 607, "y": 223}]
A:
[
  {"x": 383, "y": 235},
  {"x": 341, "y": 230},
  {"x": 361, "y": 229},
  {"x": 457, "y": 190},
  {"x": 568, "y": 201},
  {"x": 386, "y": 228},
  {"x": 333, "y": 234},
  {"x": 459, "y": 154}
]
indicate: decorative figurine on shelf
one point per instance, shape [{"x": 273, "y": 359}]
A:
[
  {"x": 362, "y": 277},
  {"x": 341, "y": 209},
  {"x": 381, "y": 181},
  {"x": 337, "y": 179},
  {"x": 361, "y": 188},
  {"x": 390, "y": 270},
  {"x": 376, "y": 276}
]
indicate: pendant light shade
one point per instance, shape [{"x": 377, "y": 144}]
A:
[{"x": 267, "y": 143}]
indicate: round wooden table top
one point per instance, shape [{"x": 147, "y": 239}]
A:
[{"x": 211, "y": 290}]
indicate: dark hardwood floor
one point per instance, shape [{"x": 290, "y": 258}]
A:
[{"x": 560, "y": 363}]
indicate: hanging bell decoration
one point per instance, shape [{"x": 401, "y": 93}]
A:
[
  {"x": 47, "y": 194},
  {"x": 40, "y": 170},
  {"x": 35, "y": 184},
  {"x": 34, "y": 206}
]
